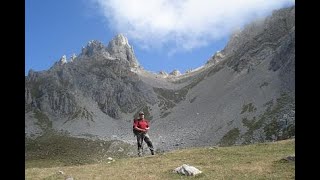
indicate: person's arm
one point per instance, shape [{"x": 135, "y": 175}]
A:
[
  {"x": 147, "y": 126},
  {"x": 139, "y": 129}
]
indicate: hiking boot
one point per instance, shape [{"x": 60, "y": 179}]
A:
[{"x": 152, "y": 152}]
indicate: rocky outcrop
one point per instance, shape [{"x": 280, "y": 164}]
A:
[
  {"x": 175, "y": 73},
  {"x": 94, "y": 47},
  {"x": 104, "y": 77},
  {"x": 73, "y": 57},
  {"x": 289, "y": 158},
  {"x": 217, "y": 57},
  {"x": 261, "y": 39},
  {"x": 163, "y": 73},
  {"x": 63, "y": 60},
  {"x": 119, "y": 48}
]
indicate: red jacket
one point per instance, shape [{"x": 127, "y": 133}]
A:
[{"x": 142, "y": 124}]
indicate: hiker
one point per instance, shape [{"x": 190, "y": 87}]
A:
[{"x": 141, "y": 127}]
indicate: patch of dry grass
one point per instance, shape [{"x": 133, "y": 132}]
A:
[{"x": 257, "y": 161}]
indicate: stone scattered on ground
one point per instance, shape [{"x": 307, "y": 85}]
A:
[{"x": 187, "y": 170}]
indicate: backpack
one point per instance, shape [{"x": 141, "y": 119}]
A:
[{"x": 135, "y": 132}]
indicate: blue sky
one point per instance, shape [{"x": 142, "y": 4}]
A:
[{"x": 165, "y": 35}]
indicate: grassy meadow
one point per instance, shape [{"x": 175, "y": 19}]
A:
[{"x": 255, "y": 161}]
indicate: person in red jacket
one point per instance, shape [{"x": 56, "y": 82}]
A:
[{"x": 141, "y": 127}]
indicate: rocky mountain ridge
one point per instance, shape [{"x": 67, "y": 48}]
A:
[{"x": 243, "y": 94}]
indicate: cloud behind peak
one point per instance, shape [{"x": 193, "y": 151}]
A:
[{"x": 182, "y": 24}]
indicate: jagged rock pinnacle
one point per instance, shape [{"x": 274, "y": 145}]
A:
[
  {"x": 175, "y": 73},
  {"x": 121, "y": 40},
  {"x": 163, "y": 73},
  {"x": 73, "y": 56},
  {"x": 93, "y": 47},
  {"x": 217, "y": 57},
  {"x": 120, "y": 48},
  {"x": 63, "y": 60}
]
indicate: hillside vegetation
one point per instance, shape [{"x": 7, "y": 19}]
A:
[{"x": 255, "y": 161}]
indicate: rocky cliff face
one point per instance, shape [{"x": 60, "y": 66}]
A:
[{"x": 244, "y": 93}]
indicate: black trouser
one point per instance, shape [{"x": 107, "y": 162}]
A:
[{"x": 144, "y": 137}]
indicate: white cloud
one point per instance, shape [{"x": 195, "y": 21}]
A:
[{"x": 185, "y": 24}]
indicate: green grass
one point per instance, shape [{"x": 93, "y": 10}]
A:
[
  {"x": 230, "y": 138},
  {"x": 81, "y": 113},
  {"x": 248, "y": 108},
  {"x": 53, "y": 149},
  {"x": 256, "y": 161},
  {"x": 271, "y": 116},
  {"x": 269, "y": 120},
  {"x": 43, "y": 120},
  {"x": 172, "y": 95},
  {"x": 169, "y": 98},
  {"x": 252, "y": 124}
]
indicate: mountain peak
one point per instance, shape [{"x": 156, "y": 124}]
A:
[
  {"x": 63, "y": 59},
  {"x": 121, "y": 40},
  {"x": 119, "y": 47},
  {"x": 175, "y": 72},
  {"x": 93, "y": 47}
]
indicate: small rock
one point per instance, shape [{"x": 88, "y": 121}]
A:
[
  {"x": 214, "y": 147},
  {"x": 187, "y": 170},
  {"x": 289, "y": 158},
  {"x": 60, "y": 172},
  {"x": 110, "y": 158}
]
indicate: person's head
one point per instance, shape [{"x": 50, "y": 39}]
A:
[{"x": 141, "y": 114}]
